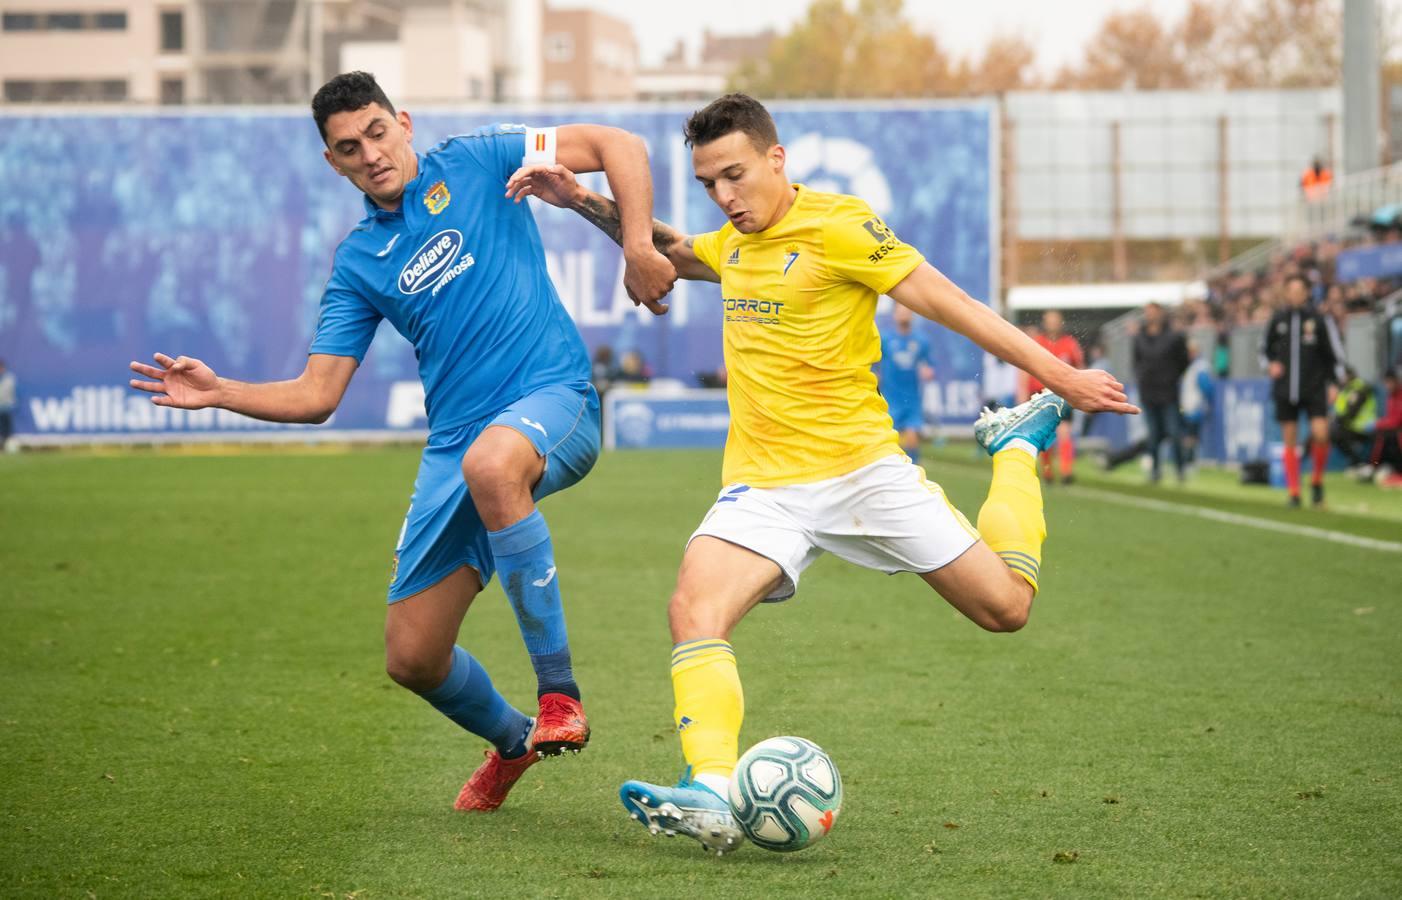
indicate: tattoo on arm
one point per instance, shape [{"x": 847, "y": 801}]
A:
[{"x": 602, "y": 213}]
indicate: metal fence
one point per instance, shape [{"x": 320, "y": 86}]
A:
[{"x": 1162, "y": 164}]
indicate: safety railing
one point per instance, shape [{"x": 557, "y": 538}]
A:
[{"x": 1350, "y": 198}]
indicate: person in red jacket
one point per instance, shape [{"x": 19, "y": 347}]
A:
[
  {"x": 1067, "y": 349},
  {"x": 1387, "y": 446}
]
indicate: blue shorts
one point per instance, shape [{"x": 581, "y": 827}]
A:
[
  {"x": 442, "y": 531},
  {"x": 905, "y": 413}
]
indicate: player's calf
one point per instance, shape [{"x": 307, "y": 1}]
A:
[{"x": 982, "y": 587}]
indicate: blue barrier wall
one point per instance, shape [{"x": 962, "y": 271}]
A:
[
  {"x": 212, "y": 235},
  {"x": 1239, "y": 426}
]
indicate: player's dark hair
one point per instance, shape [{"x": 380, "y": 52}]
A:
[
  {"x": 1296, "y": 276},
  {"x": 728, "y": 114},
  {"x": 347, "y": 92}
]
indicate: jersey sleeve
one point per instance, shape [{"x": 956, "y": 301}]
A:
[
  {"x": 347, "y": 321},
  {"x": 861, "y": 248},
  {"x": 707, "y": 248},
  {"x": 500, "y": 149}
]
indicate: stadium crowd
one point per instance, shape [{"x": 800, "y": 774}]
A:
[{"x": 1364, "y": 419}]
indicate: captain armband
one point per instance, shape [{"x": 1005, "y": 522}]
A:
[{"x": 540, "y": 147}]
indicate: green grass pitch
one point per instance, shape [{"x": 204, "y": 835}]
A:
[{"x": 194, "y": 700}]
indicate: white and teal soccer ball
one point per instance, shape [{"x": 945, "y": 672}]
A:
[{"x": 785, "y": 794}]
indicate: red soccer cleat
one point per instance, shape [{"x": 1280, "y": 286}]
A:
[
  {"x": 492, "y": 781},
  {"x": 560, "y": 726}
]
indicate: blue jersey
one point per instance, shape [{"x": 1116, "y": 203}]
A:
[
  {"x": 901, "y": 356},
  {"x": 458, "y": 270}
]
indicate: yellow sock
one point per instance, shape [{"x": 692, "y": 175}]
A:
[
  {"x": 1011, "y": 518},
  {"x": 710, "y": 705}
]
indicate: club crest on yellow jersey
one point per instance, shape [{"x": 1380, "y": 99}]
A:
[{"x": 790, "y": 257}]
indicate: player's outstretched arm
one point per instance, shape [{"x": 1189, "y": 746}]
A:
[
  {"x": 622, "y": 157},
  {"x": 557, "y": 186},
  {"x": 928, "y": 292},
  {"x": 187, "y": 383}
]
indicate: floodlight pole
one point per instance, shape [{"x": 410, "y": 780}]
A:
[{"x": 1362, "y": 87}]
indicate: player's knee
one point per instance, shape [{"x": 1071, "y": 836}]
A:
[
  {"x": 416, "y": 671},
  {"x": 489, "y": 473},
  {"x": 690, "y": 617},
  {"x": 1009, "y": 611},
  {"x": 1008, "y": 619},
  {"x": 682, "y": 608}
]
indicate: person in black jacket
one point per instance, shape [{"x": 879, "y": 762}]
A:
[
  {"x": 1160, "y": 359},
  {"x": 1303, "y": 355}
]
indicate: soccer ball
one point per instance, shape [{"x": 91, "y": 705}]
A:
[{"x": 785, "y": 794}]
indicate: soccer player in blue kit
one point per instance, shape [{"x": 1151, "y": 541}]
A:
[
  {"x": 458, "y": 269},
  {"x": 905, "y": 365}
]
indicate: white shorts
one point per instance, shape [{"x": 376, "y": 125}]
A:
[{"x": 886, "y": 516}]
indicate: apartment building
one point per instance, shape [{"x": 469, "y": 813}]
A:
[
  {"x": 587, "y": 55},
  {"x": 265, "y": 51}
]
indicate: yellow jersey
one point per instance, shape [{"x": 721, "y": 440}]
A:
[{"x": 800, "y": 339}]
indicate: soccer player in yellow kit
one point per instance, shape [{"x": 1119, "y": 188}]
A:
[{"x": 812, "y": 462}]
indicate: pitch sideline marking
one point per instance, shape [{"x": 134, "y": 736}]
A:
[{"x": 1217, "y": 515}]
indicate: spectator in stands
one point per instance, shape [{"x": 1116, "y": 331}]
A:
[
  {"x": 1160, "y": 359},
  {"x": 1387, "y": 447},
  {"x": 1355, "y": 416},
  {"x": 1067, "y": 349},
  {"x": 1098, "y": 360},
  {"x": 713, "y": 378},
  {"x": 1304, "y": 355},
  {"x": 7, "y": 405},
  {"x": 1195, "y": 399},
  {"x": 632, "y": 369},
  {"x": 602, "y": 370},
  {"x": 1315, "y": 181},
  {"x": 1000, "y": 382}
]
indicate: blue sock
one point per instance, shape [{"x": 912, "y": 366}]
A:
[
  {"x": 914, "y": 454},
  {"x": 468, "y": 698},
  {"x": 526, "y": 565}
]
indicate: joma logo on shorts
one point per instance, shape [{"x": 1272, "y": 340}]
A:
[{"x": 430, "y": 261}]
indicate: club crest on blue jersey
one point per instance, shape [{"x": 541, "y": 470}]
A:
[{"x": 437, "y": 198}]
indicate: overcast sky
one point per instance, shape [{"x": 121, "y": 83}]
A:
[{"x": 1058, "y": 29}]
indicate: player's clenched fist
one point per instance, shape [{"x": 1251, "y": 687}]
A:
[
  {"x": 186, "y": 383},
  {"x": 648, "y": 277},
  {"x": 1093, "y": 390}
]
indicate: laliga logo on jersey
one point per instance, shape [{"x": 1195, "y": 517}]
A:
[{"x": 431, "y": 261}]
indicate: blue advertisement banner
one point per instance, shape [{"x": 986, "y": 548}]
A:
[
  {"x": 1239, "y": 427},
  {"x": 1382, "y": 261},
  {"x": 637, "y": 420},
  {"x": 211, "y": 235}
]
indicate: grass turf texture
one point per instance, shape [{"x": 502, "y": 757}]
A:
[{"x": 195, "y": 704}]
